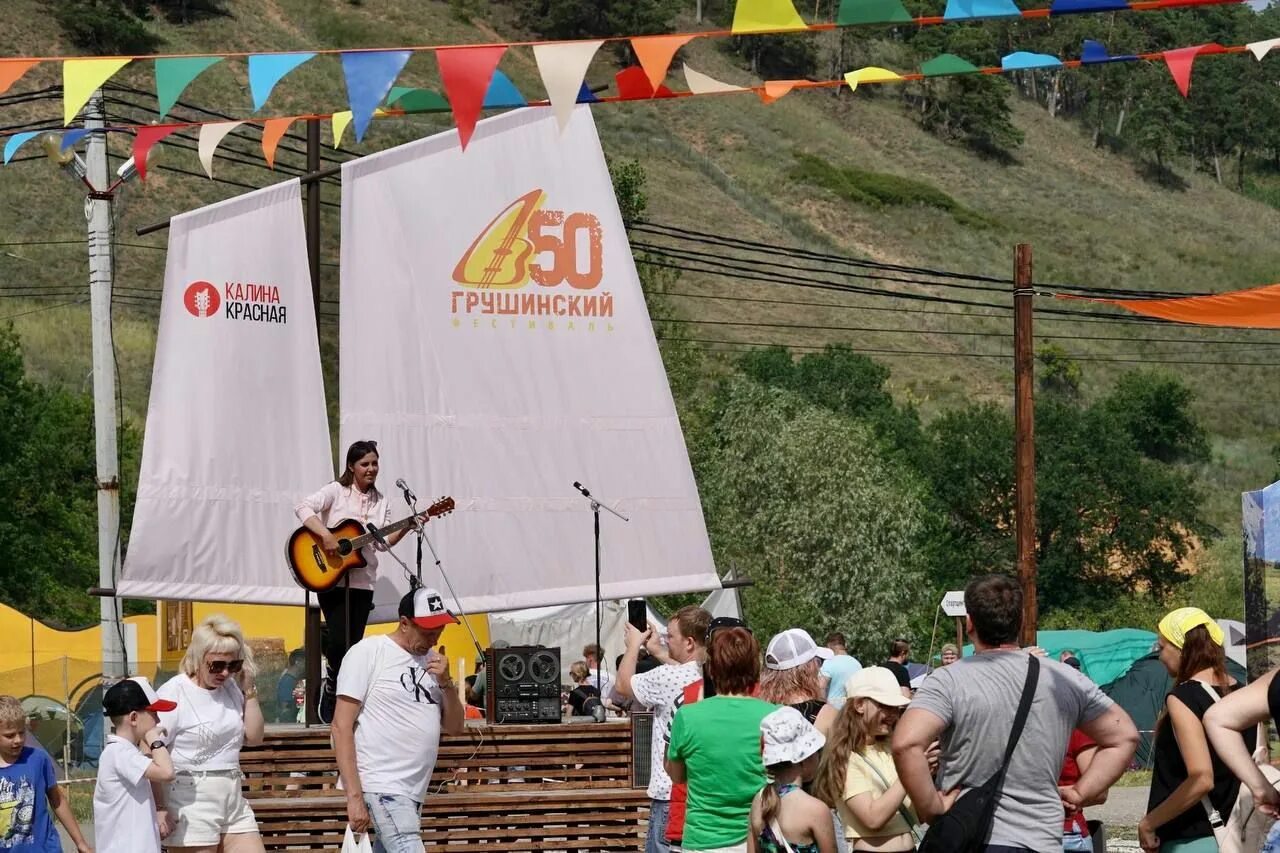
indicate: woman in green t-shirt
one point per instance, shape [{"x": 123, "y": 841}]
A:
[{"x": 715, "y": 747}]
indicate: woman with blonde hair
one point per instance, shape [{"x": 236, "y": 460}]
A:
[
  {"x": 203, "y": 809},
  {"x": 857, "y": 776},
  {"x": 792, "y": 676}
]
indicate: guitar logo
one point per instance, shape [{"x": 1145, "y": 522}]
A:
[
  {"x": 201, "y": 299},
  {"x": 499, "y": 256}
]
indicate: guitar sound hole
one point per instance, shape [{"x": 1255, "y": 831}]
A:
[
  {"x": 344, "y": 547},
  {"x": 318, "y": 556}
]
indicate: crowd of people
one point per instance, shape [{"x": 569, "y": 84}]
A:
[{"x": 793, "y": 748}]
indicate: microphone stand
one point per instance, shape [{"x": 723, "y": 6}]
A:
[{"x": 596, "y": 506}]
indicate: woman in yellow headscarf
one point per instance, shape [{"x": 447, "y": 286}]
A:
[{"x": 1186, "y": 768}]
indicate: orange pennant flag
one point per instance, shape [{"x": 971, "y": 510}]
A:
[
  {"x": 655, "y": 54},
  {"x": 11, "y": 70},
  {"x": 1255, "y": 308},
  {"x": 775, "y": 89},
  {"x": 273, "y": 130}
]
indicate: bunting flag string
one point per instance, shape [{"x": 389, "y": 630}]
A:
[
  {"x": 476, "y": 84},
  {"x": 1253, "y": 308}
]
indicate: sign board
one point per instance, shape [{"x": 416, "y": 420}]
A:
[{"x": 953, "y": 603}]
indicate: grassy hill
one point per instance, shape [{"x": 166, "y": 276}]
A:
[{"x": 730, "y": 166}]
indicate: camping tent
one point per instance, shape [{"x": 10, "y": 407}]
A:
[{"x": 1104, "y": 655}]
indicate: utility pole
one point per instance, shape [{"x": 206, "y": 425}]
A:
[
  {"x": 97, "y": 210},
  {"x": 1024, "y": 439}
]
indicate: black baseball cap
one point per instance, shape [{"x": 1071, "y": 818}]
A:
[
  {"x": 133, "y": 694},
  {"x": 721, "y": 622}
]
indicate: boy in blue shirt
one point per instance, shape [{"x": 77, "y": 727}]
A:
[{"x": 29, "y": 791}]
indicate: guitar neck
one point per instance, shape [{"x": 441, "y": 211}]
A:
[{"x": 368, "y": 539}]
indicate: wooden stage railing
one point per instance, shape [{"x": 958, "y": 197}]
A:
[{"x": 495, "y": 788}]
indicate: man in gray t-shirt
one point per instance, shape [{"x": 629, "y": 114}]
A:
[{"x": 970, "y": 706}]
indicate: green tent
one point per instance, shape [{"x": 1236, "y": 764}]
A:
[{"x": 1104, "y": 655}]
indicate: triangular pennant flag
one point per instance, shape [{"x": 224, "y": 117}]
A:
[
  {"x": 340, "y": 121},
  {"x": 11, "y": 70},
  {"x": 1180, "y": 62},
  {"x": 71, "y": 137},
  {"x": 1076, "y": 7},
  {"x": 1023, "y": 60},
  {"x": 503, "y": 93},
  {"x": 772, "y": 90},
  {"x": 655, "y": 54},
  {"x": 853, "y": 12},
  {"x": 273, "y": 130},
  {"x": 945, "y": 64},
  {"x": 959, "y": 10},
  {"x": 13, "y": 143},
  {"x": 1095, "y": 53},
  {"x": 143, "y": 142},
  {"x": 174, "y": 75},
  {"x": 871, "y": 74},
  {"x": 465, "y": 72},
  {"x": 586, "y": 96},
  {"x": 1259, "y": 49},
  {"x": 563, "y": 67},
  {"x": 211, "y": 136},
  {"x": 755, "y": 16},
  {"x": 633, "y": 85},
  {"x": 81, "y": 78},
  {"x": 370, "y": 75},
  {"x": 268, "y": 69},
  {"x": 416, "y": 100},
  {"x": 701, "y": 84}
]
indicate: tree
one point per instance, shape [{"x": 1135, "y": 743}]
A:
[
  {"x": 572, "y": 19},
  {"x": 1059, "y": 373},
  {"x": 106, "y": 27},
  {"x": 802, "y": 500}
]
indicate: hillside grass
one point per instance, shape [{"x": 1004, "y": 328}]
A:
[{"x": 727, "y": 165}]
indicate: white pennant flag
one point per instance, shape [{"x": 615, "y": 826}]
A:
[
  {"x": 701, "y": 84},
  {"x": 1260, "y": 49},
  {"x": 563, "y": 67},
  {"x": 211, "y": 136}
]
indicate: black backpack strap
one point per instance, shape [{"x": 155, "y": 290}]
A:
[{"x": 1024, "y": 710}]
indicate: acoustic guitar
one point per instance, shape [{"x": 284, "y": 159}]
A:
[{"x": 315, "y": 570}]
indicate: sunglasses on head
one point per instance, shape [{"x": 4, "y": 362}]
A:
[
  {"x": 217, "y": 667},
  {"x": 722, "y": 622}
]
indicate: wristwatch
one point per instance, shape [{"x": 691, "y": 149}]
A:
[{"x": 157, "y": 745}]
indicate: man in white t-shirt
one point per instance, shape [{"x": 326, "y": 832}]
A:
[
  {"x": 662, "y": 690},
  {"x": 399, "y": 691}
]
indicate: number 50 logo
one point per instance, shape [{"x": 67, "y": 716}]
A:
[{"x": 525, "y": 242}]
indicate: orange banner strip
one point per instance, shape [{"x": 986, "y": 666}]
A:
[{"x": 1255, "y": 308}]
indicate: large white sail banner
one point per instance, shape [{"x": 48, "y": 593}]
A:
[
  {"x": 495, "y": 343},
  {"x": 236, "y": 425}
]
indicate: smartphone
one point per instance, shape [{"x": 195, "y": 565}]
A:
[{"x": 638, "y": 614}]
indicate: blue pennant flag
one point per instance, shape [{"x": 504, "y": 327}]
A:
[
  {"x": 17, "y": 141},
  {"x": 503, "y": 93},
  {"x": 268, "y": 69},
  {"x": 1075, "y": 7},
  {"x": 958, "y": 10},
  {"x": 586, "y": 96},
  {"x": 1094, "y": 53},
  {"x": 1022, "y": 60},
  {"x": 71, "y": 137},
  {"x": 370, "y": 76}
]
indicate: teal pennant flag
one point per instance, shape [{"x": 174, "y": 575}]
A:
[{"x": 173, "y": 76}]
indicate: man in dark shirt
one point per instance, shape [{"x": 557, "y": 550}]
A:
[
  {"x": 899, "y": 652},
  {"x": 286, "y": 710}
]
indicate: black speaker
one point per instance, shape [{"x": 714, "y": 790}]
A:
[
  {"x": 641, "y": 748},
  {"x": 522, "y": 685}
]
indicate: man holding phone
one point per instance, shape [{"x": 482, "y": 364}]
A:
[{"x": 397, "y": 686}]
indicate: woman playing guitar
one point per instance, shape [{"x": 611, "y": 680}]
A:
[{"x": 346, "y": 608}]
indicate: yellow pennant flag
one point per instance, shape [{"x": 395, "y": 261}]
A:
[
  {"x": 870, "y": 74},
  {"x": 80, "y": 78},
  {"x": 340, "y": 122},
  {"x": 754, "y": 16}
]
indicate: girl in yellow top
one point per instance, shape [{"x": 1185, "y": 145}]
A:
[{"x": 857, "y": 776}]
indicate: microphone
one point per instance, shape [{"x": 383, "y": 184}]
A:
[
  {"x": 581, "y": 488},
  {"x": 409, "y": 497},
  {"x": 377, "y": 536}
]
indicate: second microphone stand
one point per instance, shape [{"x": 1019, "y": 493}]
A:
[{"x": 596, "y": 506}]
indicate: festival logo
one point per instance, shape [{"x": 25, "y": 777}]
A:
[
  {"x": 239, "y": 300},
  {"x": 201, "y": 299},
  {"x": 527, "y": 243}
]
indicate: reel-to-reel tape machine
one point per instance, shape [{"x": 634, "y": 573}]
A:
[{"x": 522, "y": 685}]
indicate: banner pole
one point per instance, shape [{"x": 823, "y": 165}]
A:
[{"x": 311, "y": 631}]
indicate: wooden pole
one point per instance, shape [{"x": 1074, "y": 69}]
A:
[
  {"x": 1024, "y": 441},
  {"x": 960, "y": 636},
  {"x": 311, "y": 635}
]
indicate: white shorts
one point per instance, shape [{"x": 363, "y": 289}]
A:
[{"x": 206, "y": 808}]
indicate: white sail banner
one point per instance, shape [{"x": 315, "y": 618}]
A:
[
  {"x": 496, "y": 344},
  {"x": 236, "y": 424}
]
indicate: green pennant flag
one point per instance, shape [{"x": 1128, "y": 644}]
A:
[
  {"x": 173, "y": 76},
  {"x": 854, "y": 12},
  {"x": 947, "y": 63},
  {"x": 413, "y": 100}
]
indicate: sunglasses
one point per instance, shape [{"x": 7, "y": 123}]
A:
[{"x": 217, "y": 667}]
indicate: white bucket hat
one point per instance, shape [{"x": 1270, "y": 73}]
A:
[
  {"x": 793, "y": 647},
  {"x": 876, "y": 683},
  {"x": 788, "y": 737}
]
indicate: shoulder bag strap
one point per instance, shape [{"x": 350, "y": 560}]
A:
[
  {"x": 902, "y": 809},
  {"x": 1216, "y": 822},
  {"x": 1024, "y": 710},
  {"x": 777, "y": 834}
]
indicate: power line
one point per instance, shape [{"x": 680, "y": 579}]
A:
[{"x": 44, "y": 308}]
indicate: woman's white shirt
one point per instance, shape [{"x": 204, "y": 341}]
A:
[{"x": 206, "y": 730}]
